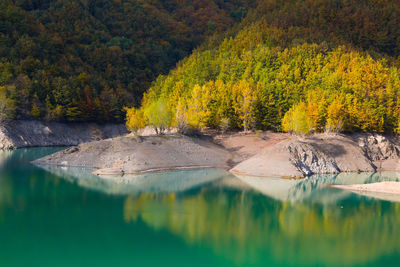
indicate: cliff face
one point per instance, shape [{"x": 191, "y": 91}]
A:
[{"x": 22, "y": 133}]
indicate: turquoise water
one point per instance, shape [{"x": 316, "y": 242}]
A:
[{"x": 66, "y": 217}]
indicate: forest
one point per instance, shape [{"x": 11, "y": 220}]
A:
[
  {"x": 299, "y": 66},
  {"x": 84, "y": 60}
]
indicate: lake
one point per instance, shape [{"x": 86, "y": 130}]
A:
[{"x": 66, "y": 217}]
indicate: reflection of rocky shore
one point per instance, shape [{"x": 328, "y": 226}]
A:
[
  {"x": 24, "y": 155},
  {"x": 314, "y": 187},
  {"x": 157, "y": 182}
]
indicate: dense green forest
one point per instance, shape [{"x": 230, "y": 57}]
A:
[
  {"x": 81, "y": 60},
  {"x": 295, "y": 65}
]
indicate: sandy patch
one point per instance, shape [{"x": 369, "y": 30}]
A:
[{"x": 381, "y": 187}]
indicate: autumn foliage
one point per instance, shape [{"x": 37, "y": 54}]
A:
[{"x": 291, "y": 74}]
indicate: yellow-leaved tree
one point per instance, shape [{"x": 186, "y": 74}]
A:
[
  {"x": 335, "y": 115},
  {"x": 181, "y": 116},
  {"x": 200, "y": 105},
  {"x": 243, "y": 102},
  {"x": 316, "y": 109},
  {"x": 295, "y": 120},
  {"x": 135, "y": 119}
]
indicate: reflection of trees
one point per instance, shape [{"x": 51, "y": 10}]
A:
[
  {"x": 14, "y": 164},
  {"x": 256, "y": 227},
  {"x": 5, "y": 195},
  {"x": 211, "y": 210},
  {"x": 354, "y": 234},
  {"x": 5, "y": 155},
  {"x": 217, "y": 218}
]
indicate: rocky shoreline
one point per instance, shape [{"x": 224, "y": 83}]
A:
[
  {"x": 132, "y": 155},
  {"x": 31, "y": 133},
  {"x": 322, "y": 154},
  {"x": 262, "y": 154}
]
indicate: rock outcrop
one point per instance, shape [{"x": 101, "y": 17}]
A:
[
  {"x": 309, "y": 160},
  {"x": 382, "y": 150},
  {"x": 278, "y": 156},
  {"x": 23, "y": 133},
  {"x": 379, "y": 147},
  {"x": 299, "y": 157},
  {"x": 132, "y": 155}
]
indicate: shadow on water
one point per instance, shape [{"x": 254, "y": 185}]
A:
[{"x": 190, "y": 218}]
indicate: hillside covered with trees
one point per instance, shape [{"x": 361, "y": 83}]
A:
[
  {"x": 84, "y": 60},
  {"x": 296, "y": 65}
]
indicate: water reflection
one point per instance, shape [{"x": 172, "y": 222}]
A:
[
  {"x": 13, "y": 166},
  {"x": 247, "y": 226},
  {"x": 313, "y": 188},
  {"x": 256, "y": 220},
  {"x": 226, "y": 220},
  {"x": 158, "y": 182}
]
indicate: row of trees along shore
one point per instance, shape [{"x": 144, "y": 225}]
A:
[{"x": 285, "y": 71}]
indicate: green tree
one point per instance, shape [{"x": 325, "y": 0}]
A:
[
  {"x": 35, "y": 112},
  {"x": 159, "y": 116},
  {"x": 7, "y": 106}
]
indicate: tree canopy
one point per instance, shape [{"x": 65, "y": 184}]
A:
[
  {"x": 301, "y": 66},
  {"x": 82, "y": 60}
]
